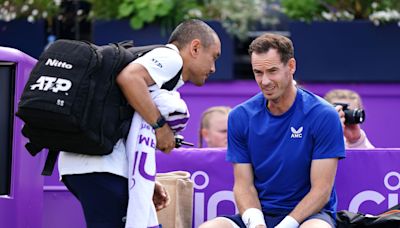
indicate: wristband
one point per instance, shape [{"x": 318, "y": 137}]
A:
[
  {"x": 253, "y": 217},
  {"x": 288, "y": 222},
  {"x": 160, "y": 122}
]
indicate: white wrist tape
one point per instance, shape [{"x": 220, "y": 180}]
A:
[
  {"x": 253, "y": 217},
  {"x": 288, "y": 222}
]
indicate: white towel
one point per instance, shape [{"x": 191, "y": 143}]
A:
[
  {"x": 140, "y": 149},
  {"x": 172, "y": 107}
]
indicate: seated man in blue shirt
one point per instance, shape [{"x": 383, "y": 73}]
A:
[{"x": 284, "y": 143}]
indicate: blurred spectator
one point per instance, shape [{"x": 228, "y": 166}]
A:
[
  {"x": 213, "y": 126},
  {"x": 354, "y": 136}
]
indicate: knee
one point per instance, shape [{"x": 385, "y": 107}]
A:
[
  {"x": 315, "y": 223},
  {"x": 216, "y": 223},
  {"x": 208, "y": 224}
]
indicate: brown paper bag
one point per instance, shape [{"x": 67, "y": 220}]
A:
[{"x": 178, "y": 214}]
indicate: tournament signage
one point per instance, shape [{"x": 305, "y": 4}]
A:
[{"x": 367, "y": 181}]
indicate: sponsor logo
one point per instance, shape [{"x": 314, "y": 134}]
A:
[
  {"x": 47, "y": 83},
  {"x": 155, "y": 61},
  {"x": 376, "y": 197},
  {"x": 297, "y": 134},
  {"x": 58, "y": 63},
  {"x": 201, "y": 180}
]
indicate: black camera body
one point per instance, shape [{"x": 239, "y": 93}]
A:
[{"x": 352, "y": 116}]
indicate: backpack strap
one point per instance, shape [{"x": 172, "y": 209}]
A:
[
  {"x": 170, "y": 85},
  {"x": 126, "y": 43},
  {"x": 50, "y": 162},
  {"x": 51, "y": 158},
  {"x": 142, "y": 50}
]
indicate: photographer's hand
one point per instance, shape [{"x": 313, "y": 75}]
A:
[
  {"x": 351, "y": 132},
  {"x": 339, "y": 109}
]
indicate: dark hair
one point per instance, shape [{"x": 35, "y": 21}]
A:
[
  {"x": 267, "y": 41},
  {"x": 192, "y": 29}
]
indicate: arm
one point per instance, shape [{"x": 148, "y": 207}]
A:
[
  {"x": 161, "y": 197},
  {"x": 323, "y": 172},
  {"x": 245, "y": 193},
  {"x": 133, "y": 81}
]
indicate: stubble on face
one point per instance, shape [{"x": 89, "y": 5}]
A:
[
  {"x": 268, "y": 71},
  {"x": 274, "y": 78},
  {"x": 207, "y": 58}
]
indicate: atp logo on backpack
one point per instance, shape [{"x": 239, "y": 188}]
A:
[{"x": 46, "y": 83}]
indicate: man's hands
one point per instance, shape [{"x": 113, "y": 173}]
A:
[
  {"x": 351, "y": 132},
  {"x": 160, "y": 198},
  {"x": 165, "y": 139}
]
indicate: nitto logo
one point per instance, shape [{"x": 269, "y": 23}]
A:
[
  {"x": 57, "y": 63},
  {"x": 46, "y": 83},
  {"x": 296, "y": 133}
]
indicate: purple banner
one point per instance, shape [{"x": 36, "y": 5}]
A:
[
  {"x": 366, "y": 181},
  {"x": 212, "y": 178}
]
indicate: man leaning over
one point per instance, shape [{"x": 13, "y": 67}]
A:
[{"x": 100, "y": 182}]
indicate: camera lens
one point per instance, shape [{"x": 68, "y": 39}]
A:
[{"x": 354, "y": 116}]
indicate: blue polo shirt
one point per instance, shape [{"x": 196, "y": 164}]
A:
[{"x": 281, "y": 148}]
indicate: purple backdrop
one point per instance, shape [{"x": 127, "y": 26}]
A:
[
  {"x": 381, "y": 103},
  {"x": 367, "y": 181},
  {"x": 23, "y": 207}
]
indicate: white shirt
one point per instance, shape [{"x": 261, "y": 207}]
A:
[{"x": 162, "y": 64}]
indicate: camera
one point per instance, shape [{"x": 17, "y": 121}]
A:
[{"x": 352, "y": 116}]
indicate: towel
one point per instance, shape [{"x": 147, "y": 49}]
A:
[
  {"x": 172, "y": 107},
  {"x": 140, "y": 148}
]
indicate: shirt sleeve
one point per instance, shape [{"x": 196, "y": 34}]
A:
[
  {"x": 162, "y": 64},
  {"x": 361, "y": 143},
  {"x": 237, "y": 140},
  {"x": 328, "y": 135}
]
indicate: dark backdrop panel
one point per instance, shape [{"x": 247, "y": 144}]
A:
[
  {"x": 7, "y": 75},
  {"x": 346, "y": 51},
  {"x": 113, "y": 31},
  {"x": 27, "y": 37}
]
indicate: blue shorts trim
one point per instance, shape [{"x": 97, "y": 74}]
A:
[{"x": 324, "y": 216}]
